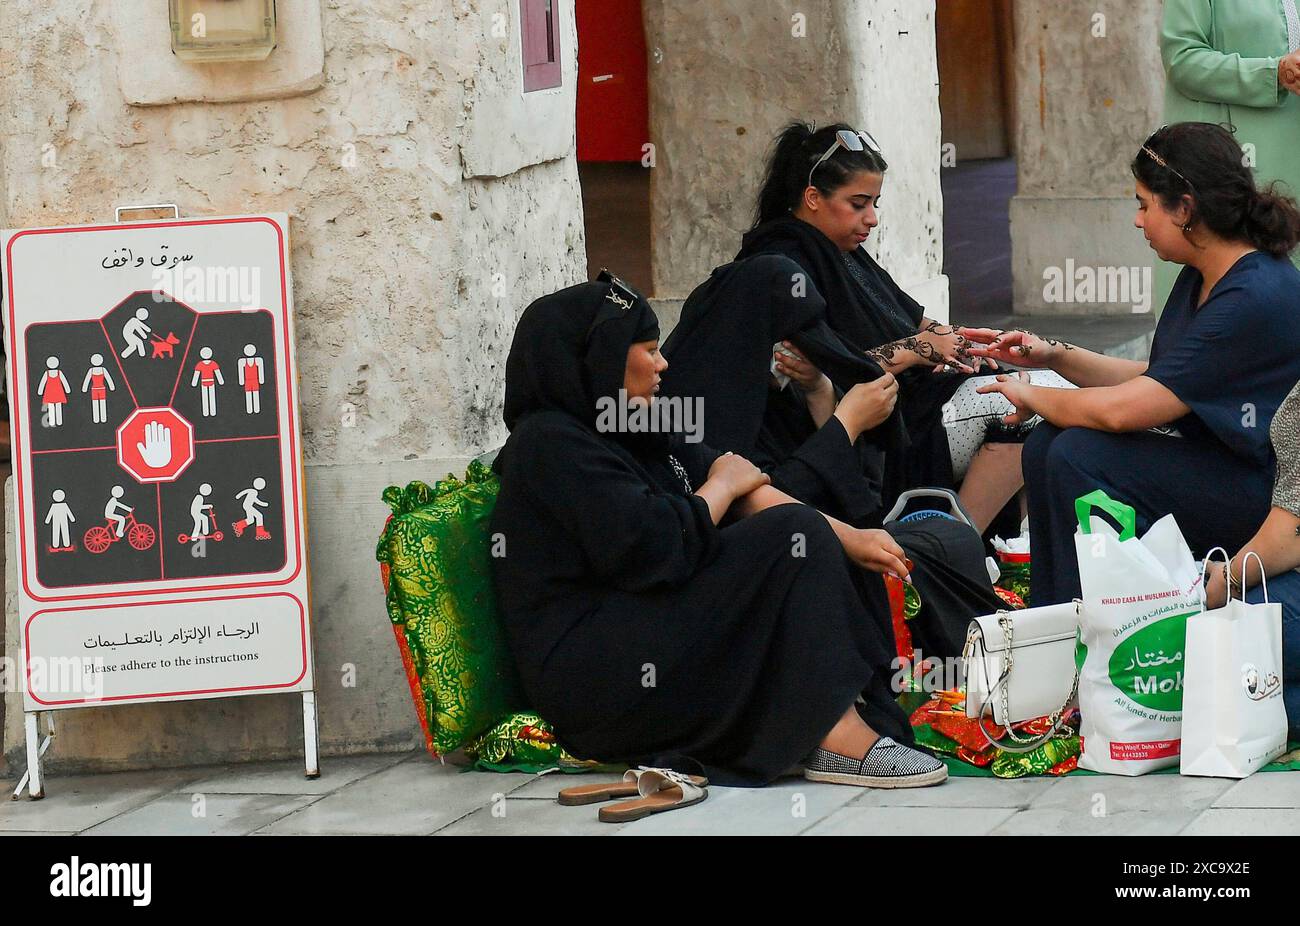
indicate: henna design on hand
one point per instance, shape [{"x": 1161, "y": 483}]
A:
[{"x": 885, "y": 354}]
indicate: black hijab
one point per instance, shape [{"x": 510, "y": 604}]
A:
[
  {"x": 888, "y": 314},
  {"x": 570, "y": 349},
  {"x": 721, "y": 349}
]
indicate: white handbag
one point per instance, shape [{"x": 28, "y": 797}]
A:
[{"x": 1021, "y": 665}]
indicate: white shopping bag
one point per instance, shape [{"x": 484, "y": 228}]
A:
[
  {"x": 1137, "y": 597},
  {"x": 1234, "y": 721}
]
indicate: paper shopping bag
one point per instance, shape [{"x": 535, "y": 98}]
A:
[{"x": 1234, "y": 721}]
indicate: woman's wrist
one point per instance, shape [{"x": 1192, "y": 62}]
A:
[{"x": 851, "y": 427}]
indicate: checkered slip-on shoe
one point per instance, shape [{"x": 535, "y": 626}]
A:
[{"x": 887, "y": 764}]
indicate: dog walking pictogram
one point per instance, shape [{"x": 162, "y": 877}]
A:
[
  {"x": 119, "y": 519},
  {"x": 205, "y": 517},
  {"x": 99, "y": 383},
  {"x": 59, "y": 517},
  {"x": 207, "y": 374},
  {"x": 53, "y": 391},
  {"x": 251, "y": 502},
  {"x": 251, "y": 376},
  {"x": 163, "y": 347},
  {"x": 134, "y": 332}
]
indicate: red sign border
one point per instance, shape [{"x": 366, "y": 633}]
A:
[{"x": 290, "y": 382}]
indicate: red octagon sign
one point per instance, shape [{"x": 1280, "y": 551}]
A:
[{"x": 155, "y": 445}]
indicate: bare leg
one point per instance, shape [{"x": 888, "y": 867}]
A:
[
  {"x": 993, "y": 478},
  {"x": 850, "y": 736}
]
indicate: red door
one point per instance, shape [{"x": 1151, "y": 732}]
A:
[{"x": 613, "y": 94}]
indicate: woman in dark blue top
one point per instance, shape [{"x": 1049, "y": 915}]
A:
[{"x": 1187, "y": 432}]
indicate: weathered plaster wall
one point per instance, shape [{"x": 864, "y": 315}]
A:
[
  {"x": 726, "y": 76},
  {"x": 1076, "y": 138},
  {"x": 430, "y": 201}
]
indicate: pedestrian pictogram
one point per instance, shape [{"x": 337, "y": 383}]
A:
[
  {"x": 98, "y": 382},
  {"x": 207, "y": 376},
  {"x": 53, "y": 391}
]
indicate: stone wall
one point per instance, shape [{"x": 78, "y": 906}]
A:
[{"x": 431, "y": 201}]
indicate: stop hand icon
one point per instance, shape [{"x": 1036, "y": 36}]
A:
[{"x": 155, "y": 445}]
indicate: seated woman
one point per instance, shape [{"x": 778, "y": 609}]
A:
[
  {"x": 1277, "y": 542},
  {"x": 817, "y": 207},
  {"x": 1222, "y": 361},
  {"x": 644, "y": 628},
  {"x": 820, "y": 442}
]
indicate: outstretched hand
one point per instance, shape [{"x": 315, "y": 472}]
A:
[{"x": 1015, "y": 387}]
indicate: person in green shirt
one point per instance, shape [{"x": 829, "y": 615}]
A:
[{"x": 1236, "y": 63}]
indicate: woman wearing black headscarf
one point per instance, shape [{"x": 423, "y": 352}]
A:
[
  {"x": 817, "y": 207},
  {"x": 644, "y": 630},
  {"x": 828, "y": 457}
]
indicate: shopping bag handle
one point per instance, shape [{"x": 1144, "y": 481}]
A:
[
  {"x": 1122, "y": 513},
  {"x": 1263, "y": 579}
]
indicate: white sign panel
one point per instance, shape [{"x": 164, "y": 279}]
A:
[{"x": 160, "y": 538}]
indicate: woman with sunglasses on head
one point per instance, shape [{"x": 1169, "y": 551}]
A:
[
  {"x": 817, "y": 207},
  {"x": 1186, "y": 432}
]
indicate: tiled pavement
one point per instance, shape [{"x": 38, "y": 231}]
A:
[{"x": 411, "y": 794}]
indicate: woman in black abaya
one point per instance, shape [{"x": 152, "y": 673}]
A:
[
  {"x": 817, "y": 207},
  {"x": 645, "y": 629},
  {"x": 827, "y": 455}
]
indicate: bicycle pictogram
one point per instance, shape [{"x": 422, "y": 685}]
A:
[{"x": 102, "y": 536}]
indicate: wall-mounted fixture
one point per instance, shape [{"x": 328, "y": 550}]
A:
[{"x": 222, "y": 30}]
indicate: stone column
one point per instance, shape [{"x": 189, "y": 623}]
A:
[
  {"x": 726, "y": 76},
  {"x": 1089, "y": 87}
]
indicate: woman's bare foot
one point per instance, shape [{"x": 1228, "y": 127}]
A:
[{"x": 850, "y": 736}]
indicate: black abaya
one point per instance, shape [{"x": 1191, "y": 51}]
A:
[
  {"x": 641, "y": 630},
  {"x": 719, "y": 353},
  {"x": 868, "y": 309}
]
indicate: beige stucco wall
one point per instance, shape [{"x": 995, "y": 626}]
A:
[
  {"x": 431, "y": 201},
  {"x": 1076, "y": 138},
  {"x": 726, "y": 76}
]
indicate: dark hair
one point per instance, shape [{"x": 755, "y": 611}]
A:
[
  {"x": 1204, "y": 161},
  {"x": 794, "y": 152}
]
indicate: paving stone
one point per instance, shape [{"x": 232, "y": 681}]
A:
[
  {"x": 222, "y": 815},
  {"x": 911, "y": 821},
  {"x": 1245, "y": 822}
]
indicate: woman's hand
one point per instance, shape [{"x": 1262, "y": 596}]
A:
[
  {"x": 737, "y": 475},
  {"x": 877, "y": 551},
  {"x": 796, "y": 366},
  {"x": 1216, "y": 587},
  {"x": 1015, "y": 387},
  {"x": 1288, "y": 72},
  {"x": 1017, "y": 346},
  {"x": 944, "y": 348},
  {"x": 867, "y": 405}
]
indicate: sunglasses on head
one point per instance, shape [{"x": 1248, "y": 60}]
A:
[{"x": 849, "y": 140}]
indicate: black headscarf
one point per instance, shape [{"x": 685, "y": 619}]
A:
[
  {"x": 866, "y": 323},
  {"x": 570, "y": 349},
  {"x": 721, "y": 349}
]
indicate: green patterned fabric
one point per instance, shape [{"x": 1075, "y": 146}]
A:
[{"x": 439, "y": 592}]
